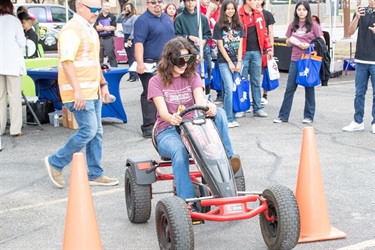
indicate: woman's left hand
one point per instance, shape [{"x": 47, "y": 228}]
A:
[{"x": 211, "y": 109}]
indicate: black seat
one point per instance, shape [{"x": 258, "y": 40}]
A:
[{"x": 155, "y": 144}]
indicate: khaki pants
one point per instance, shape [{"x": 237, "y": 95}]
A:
[{"x": 11, "y": 86}]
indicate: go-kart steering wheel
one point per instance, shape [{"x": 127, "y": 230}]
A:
[{"x": 193, "y": 108}]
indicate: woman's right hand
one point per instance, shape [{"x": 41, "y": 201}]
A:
[
  {"x": 232, "y": 67},
  {"x": 176, "y": 119}
]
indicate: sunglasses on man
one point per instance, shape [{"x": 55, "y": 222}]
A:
[
  {"x": 183, "y": 60},
  {"x": 92, "y": 10},
  {"x": 156, "y": 2}
]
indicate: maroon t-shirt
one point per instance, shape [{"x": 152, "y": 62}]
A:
[
  {"x": 302, "y": 36},
  {"x": 180, "y": 92}
]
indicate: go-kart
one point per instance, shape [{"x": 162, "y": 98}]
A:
[{"x": 220, "y": 194}]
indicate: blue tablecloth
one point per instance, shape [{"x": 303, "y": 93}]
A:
[{"x": 45, "y": 80}]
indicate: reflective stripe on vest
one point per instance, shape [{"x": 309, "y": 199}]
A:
[
  {"x": 86, "y": 64},
  {"x": 83, "y": 85}
]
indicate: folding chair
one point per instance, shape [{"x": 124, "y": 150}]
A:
[
  {"x": 40, "y": 51},
  {"x": 29, "y": 94}
]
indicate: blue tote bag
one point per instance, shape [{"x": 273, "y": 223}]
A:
[
  {"x": 308, "y": 68},
  {"x": 216, "y": 77},
  {"x": 241, "y": 97},
  {"x": 267, "y": 83}
]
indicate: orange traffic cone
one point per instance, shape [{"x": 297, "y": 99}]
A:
[
  {"x": 81, "y": 227},
  {"x": 310, "y": 195}
]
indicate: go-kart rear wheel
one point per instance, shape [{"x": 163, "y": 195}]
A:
[
  {"x": 173, "y": 224},
  {"x": 283, "y": 232},
  {"x": 137, "y": 197}
]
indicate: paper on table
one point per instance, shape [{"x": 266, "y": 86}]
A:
[{"x": 150, "y": 67}]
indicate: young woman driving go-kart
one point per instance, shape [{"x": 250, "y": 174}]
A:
[{"x": 178, "y": 86}]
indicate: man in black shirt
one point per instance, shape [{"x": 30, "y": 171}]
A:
[
  {"x": 106, "y": 25},
  {"x": 364, "y": 20}
]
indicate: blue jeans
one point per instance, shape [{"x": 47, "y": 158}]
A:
[
  {"x": 252, "y": 63},
  {"x": 227, "y": 76},
  {"x": 291, "y": 87},
  {"x": 89, "y": 134},
  {"x": 362, "y": 74},
  {"x": 170, "y": 145}
]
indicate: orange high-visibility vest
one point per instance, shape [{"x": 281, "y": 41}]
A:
[{"x": 86, "y": 63}]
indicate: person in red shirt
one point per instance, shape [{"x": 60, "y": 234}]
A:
[{"x": 255, "y": 42}]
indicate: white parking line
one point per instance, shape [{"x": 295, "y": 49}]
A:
[
  {"x": 43, "y": 204},
  {"x": 369, "y": 244}
]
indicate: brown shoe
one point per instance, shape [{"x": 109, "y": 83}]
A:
[
  {"x": 104, "y": 181},
  {"x": 235, "y": 162},
  {"x": 55, "y": 176}
]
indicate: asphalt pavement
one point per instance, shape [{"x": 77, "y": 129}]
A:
[{"x": 33, "y": 210}]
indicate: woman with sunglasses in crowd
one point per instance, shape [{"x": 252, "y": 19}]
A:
[
  {"x": 229, "y": 33},
  {"x": 177, "y": 86},
  {"x": 127, "y": 18}
]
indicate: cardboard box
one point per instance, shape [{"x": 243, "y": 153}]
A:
[{"x": 68, "y": 119}]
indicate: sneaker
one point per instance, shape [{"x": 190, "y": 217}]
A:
[
  {"x": 235, "y": 123},
  {"x": 307, "y": 120},
  {"x": 235, "y": 162},
  {"x": 263, "y": 101},
  {"x": 104, "y": 181},
  {"x": 353, "y": 126},
  {"x": 194, "y": 207},
  {"x": 55, "y": 176},
  {"x": 230, "y": 125},
  {"x": 248, "y": 111},
  {"x": 373, "y": 128},
  {"x": 147, "y": 134},
  {"x": 240, "y": 114},
  {"x": 278, "y": 120},
  {"x": 260, "y": 113}
]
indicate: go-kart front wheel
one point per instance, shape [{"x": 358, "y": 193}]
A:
[
  {"x": 173, "y": 224},
  {"x": 283, "y": 232},
  {"x": 137, "y": 197}
]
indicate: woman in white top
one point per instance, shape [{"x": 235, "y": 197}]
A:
[{"x": 12, "y": 67}]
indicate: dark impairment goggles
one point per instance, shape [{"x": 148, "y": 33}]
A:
[
  {"x": 156, "y": 2},
  {"x": 182, "y": 60},
  {"x": 92, "y": 10}
]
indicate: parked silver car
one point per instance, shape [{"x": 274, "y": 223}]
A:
[{"x": 51, "y": 18}]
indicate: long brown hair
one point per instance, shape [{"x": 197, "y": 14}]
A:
[
  {"x": 308, "y": 21},
  {"x": 166, "y": 7},
  {"x": 171, "y": 51},
  {"x": 6, "y": 8},
  {"x": 223, "y": 19},
  {"x": 133, "y": 11}
]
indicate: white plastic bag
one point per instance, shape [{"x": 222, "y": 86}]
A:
[{"x": 273, "y": 69}]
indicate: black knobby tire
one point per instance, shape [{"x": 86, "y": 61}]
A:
[
  {"x": 137, "y": 198},
  {"x": 173, "y": 224},
  {"x": 284, "y": 232},
  {"x": 240, "y": 183}
]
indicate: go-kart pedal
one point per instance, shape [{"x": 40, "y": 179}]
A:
[{"x": 195, "y": 209}]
